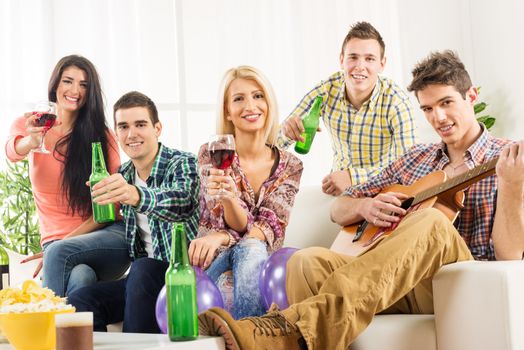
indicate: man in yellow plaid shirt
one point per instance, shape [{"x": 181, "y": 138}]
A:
[{"x": 368, "y": 116}]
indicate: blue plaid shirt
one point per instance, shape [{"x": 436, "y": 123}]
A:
[{"x": 171, "y": 196}]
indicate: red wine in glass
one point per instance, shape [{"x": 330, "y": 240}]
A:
[
  {"x": 222, "y": 153},
  {"x": 222, "y": 158},
  {"x": 45, "y": 113},
  {"x": 47, "y": 120}
]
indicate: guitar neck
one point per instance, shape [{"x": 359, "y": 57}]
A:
[{"x": 459, "y": 182}]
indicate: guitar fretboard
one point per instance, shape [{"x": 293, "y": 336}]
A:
[{"x": 458, "y": 182}]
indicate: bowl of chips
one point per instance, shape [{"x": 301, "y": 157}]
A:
[{"x": 27, "y": 316}]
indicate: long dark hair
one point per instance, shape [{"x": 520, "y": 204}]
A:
[{"x": 74, "y": 149}]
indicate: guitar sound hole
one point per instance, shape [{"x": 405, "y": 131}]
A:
[{"x": 407, "y": 203}]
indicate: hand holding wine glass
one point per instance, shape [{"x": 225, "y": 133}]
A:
[
  {"x": 222, "y": 153},
  {"x": 44, "y": 117}
]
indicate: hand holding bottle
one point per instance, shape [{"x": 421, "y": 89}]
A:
[
  {"x": 292, "y": 128},
  {"x": 115, "y": 189},
  {"x": 102, "y": 213},
  {"x": 310, "y": 126}
]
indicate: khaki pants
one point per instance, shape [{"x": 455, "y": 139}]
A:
[{"x": 334, "y": 297}]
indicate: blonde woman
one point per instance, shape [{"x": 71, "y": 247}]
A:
[{"x": 244, "y": 210}]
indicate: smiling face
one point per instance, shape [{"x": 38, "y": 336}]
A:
[
  {"x": 137, "y": 135},
  {"x": 71, "y": 92},
  {"x": 451, "y": 115},
  {"x": 246, "y": 105},
  {"x": 361, "y": 63}
]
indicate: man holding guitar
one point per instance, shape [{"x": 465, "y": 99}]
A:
[{"x": 403, "y": 229}]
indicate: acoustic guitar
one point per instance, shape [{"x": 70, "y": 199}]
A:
[{"x": 433, "y": 190}]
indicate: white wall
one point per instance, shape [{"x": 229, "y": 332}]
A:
[
  {"x": 488, "y": 37},
  {"x": 176, "y": 52}
]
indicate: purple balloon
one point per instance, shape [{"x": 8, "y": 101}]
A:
[
  {"x": 272, "y": 281},
  {"x": 161, "y": 310},
  {"x": 208, "y": 296}
]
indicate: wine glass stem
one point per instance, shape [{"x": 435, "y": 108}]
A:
[{"x": 42, "y": 144}]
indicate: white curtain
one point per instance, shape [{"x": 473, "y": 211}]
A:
[{"x": 176, "y": 52}]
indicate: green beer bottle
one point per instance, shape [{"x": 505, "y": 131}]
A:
[
  {"x": 310, "y": 123},
  {"x": 182, "y": 321},
  {"x": 4, "y": 268},
  {"x": 101, "y": 213}
]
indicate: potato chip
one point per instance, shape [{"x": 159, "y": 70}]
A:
[{"x": 30, "y": 298}]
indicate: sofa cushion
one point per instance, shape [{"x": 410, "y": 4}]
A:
[{"x": 310, "y": 224}]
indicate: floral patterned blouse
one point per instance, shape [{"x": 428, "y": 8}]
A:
[{"x": 270, "y": 213}]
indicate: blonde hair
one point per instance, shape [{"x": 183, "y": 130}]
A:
[{"x": 225, "y": 126}]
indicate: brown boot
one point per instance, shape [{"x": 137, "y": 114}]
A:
[{"x": 269, "y": 332}]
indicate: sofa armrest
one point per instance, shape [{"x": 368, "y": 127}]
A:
[{"x": 479, "y": 305}]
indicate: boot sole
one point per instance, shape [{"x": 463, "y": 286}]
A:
[{"x": 212, "y": 324}]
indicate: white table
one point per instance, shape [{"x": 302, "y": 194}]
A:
[{"x": 138, "y": 341}]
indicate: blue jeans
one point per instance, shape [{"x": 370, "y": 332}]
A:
[
  {"x": 131, "y": 300},
  {"x": 245, "y": 259},
  {"x": 83, "y": 260}
]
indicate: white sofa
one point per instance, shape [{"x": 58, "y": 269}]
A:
[{"x": 478, "y": 305}]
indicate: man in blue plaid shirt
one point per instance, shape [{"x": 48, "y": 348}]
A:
[{"x": 157, "y": 187}]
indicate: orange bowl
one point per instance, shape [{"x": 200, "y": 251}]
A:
[{"x": 30, "y": 330}]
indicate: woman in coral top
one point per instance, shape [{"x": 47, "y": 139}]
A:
[
  {"x": 58, "y": 179},
  {"x": 244, "y": 210}
]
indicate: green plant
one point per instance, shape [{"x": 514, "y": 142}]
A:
[
  {"x": 19, "y": 229},
  {"x": 487, "y": 120}
]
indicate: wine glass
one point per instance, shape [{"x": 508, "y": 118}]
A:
[
  {"x": 222, "y": 152},
  {"x": 46, "y": 117}
]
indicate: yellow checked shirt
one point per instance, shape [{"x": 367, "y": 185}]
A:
[{"x": 366, "y": 140}]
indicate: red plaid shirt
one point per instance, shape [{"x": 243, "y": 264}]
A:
[{"x": 475, "y": 221}]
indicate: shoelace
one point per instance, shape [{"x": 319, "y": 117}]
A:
[
  {"x": 268, "y": 324},
  {"x": 273, "y": 307}
]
